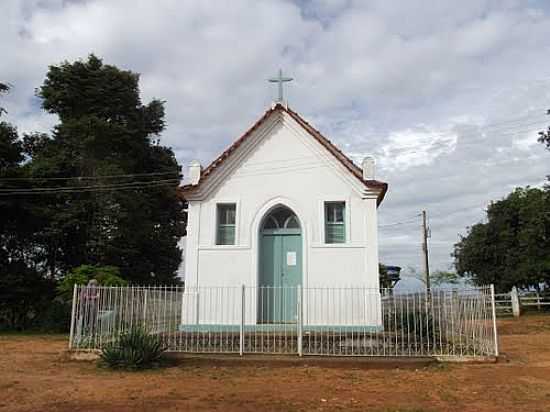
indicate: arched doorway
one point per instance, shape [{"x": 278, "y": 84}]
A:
[{"x": 280, "y": 266}]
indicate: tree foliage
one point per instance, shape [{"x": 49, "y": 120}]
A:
[
  {"x": 104, "y": 130},
  {"x": 24, "y": 292},
  {"x": 444, "y": 277},
  {"x": 10, "y": 146},
  {"x": 544, "y": 138},
  {"x": 105, "y": 276},
  {"x": 438, "y": 278},
  {"x": 4, "y": 88},
  {"x": 511, "y": 248}
]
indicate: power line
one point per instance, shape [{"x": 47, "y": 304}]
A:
[
  {"x": 484, "y": 129},
  {"x": 450, "y": 134},
  {"x": 61, "y": 192},
  {"x": 87, "y": 177},
  {"x": 402, "y": 151},
  {"x": 83, "y": 187},
  {"x": 282, "y": 169},
  {"x": 471, "y": 208},
  {"x": 140, "y": 184},
  {"x": 437, "y": 214},
  {"x": 87, "y": 189},
  {"x": 510, "y": 122},
  {"x": 289, "y": 160},
  {"x": 439, "y": 145},
  {"x": 402, "y": 222},
  {"x": 111, "y": 186}
]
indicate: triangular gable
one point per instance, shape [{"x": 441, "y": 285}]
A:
[{"x": 348, "y": 164}]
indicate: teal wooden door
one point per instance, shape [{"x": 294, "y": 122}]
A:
[
  {"x": 291, "y": 248},
  {"x": 280, "y": 269}
]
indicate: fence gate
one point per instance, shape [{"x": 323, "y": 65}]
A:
[{"x": 343, "y": 321}]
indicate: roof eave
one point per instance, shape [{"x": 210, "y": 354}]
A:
[
  {"x": 187, "y": 192},
  {"x": 382, "y": 194}
]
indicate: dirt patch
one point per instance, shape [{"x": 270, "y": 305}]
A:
[{"x": 36, "y": 375}]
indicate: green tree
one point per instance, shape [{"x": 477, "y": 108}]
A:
[
  {"x": 105, "y": 276},
  {"x": 438, "y": 278},
  {"x": 544, "y": 137},
  {"x": 24, "y": 295},
  {"x": 24, "y": 292},
  {"x": 4, "y": 88},
  {"x": 511, "y": 248},
  {"x": 104, "y": 131},
  {"x": 10, "y": 147},
  {"x": 444, "y": 277}
]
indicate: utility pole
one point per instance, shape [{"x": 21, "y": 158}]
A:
[{"x": 425, "y": 250}]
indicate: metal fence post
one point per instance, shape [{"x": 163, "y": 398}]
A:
[
  {"x": 73, "y": 314},
  {"x": 241, "y": 340},
  {"x": 515, "y": 302},
  {"x": 300, "y": 318},
  {"x": 493, "y": 309},
  {"x": 145, "y": 307},
  {"x": 197, "y": 305}
]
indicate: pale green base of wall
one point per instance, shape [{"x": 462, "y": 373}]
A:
[{"x": 289, "y": 328}]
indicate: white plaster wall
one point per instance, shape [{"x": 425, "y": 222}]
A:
[
  {"x": 321, "y": 306},
  {"x": 286, "y": 167}
]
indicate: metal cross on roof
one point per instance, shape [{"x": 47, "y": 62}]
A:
[{"x": 280, "y": 79}]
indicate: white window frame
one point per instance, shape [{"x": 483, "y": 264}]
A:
[
  {"x": 214, "y": 230},
  {"x": 332, "y": 223},
  {"x": 347, "y": 220}
]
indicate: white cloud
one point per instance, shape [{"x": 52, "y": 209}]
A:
[{"x": 448, "y": 96}]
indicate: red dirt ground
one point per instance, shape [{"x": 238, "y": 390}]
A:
[{"x": 36, "y": 375}]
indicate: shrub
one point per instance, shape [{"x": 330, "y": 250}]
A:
[
  {"x": 421, "y": 323},
  {"x": 56, "y": 317},
  {"x": 414, "y": 324},
  {"x": 24, "y": 295},
  {"x": 133, "y": 350},
  {"x": 81, "y": 275}
]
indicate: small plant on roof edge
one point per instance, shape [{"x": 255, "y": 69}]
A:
[{"x": 133, "y": 350}]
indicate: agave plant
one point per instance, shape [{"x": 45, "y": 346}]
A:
[{"x": 134, "y": 349}]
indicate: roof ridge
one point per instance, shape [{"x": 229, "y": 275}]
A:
[{"x": 348, "y": 163}]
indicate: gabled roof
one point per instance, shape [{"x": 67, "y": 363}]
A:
[{"x": 337, "y": 153}]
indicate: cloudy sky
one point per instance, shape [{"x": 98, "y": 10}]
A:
[{"x": 448, "y": 96}]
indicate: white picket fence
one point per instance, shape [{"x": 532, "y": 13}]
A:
[
  {"x": 503, "y": 304},
  {"x": 514, "y": 302},
  {"x": 291, "y": 320}
]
